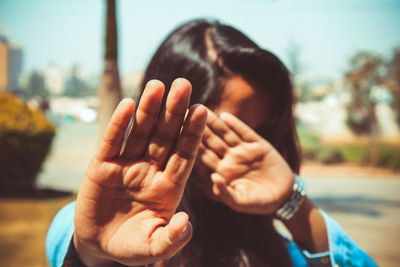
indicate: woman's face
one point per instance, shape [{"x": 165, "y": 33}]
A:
[{"x": 245, "y": 102}]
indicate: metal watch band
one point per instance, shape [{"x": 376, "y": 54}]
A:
[{"x": 292, "y": 204}]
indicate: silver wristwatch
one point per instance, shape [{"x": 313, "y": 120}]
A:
[{"x": 292, "y": 204}]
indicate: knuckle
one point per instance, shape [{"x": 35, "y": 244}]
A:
[
  {"x": 238, "y": 155},
  {"x": 192, "y": 135},
  {"x": 140, "y": 134},
  {"x": 110, "y": 141},
  {"x": 207, "y": 137},
  {"x": 259, "y": 152},
  {"x": 183, "y": 153},
  {"x": 226, "y": 168},
  {"x": 163, "y": 136},
  {"x": 176, "y": 110},
  {"x": 146, "y": 113},
  {"x": 117, "y": 125}
]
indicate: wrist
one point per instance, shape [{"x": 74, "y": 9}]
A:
[
  {"x": 293, "y": 202},
  {"x": 302, "y": 214},
  {"x": 308, "y": 228},
  {"x": 89, "y": 256}
]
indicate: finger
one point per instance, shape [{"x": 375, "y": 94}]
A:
[
  {"x": 180, "y": 164},
  {"x": 146, "y": 117},
  {"x": 208, "y": 157},
  {"x": 170, "y": 239},
  {"x": 170, "y": 122},
  {"x": 221, "y": 129},
  {"x": 242, "y": 130},
  {"x": 214, "y": 142},
  {"x": 114, "y": 134}
]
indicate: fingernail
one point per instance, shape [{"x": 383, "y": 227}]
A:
[
  {"x": 125, "y": 100},
  {"x": 185, "y": 230},
  {"x": 196, "y": 106},
  {"x": 225, "y": 115}
]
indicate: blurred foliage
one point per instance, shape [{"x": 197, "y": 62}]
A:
[
  {"x": 389, "y": 156},
  {"x": 307, "y": 138},
  {"x": 294, "y": 62},
  {"x": 393, "y": 81},
  {"x": 312, "y": 150},
  {"x": 371, "y": 79},
  {"x": 330, "y": 156},
  {"x": 25, "y": 140},
  {"x": 366, "y": 71},
  {"x": 316, "y": 90},
  {"x": 36, "y": 85}
]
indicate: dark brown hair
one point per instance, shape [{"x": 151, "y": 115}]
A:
[{"x": 208, "y": 53}]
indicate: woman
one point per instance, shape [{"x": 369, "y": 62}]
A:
[{"x": 242, "y": 177}]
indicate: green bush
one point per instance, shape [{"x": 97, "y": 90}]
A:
[
  {"x": 389, "y": 158},
  {"x": 330, "y": 156},
  {"x": 25, "y": 140},
  {"x": 359, "y": 125},
  {"x": 309, "y": 154}
]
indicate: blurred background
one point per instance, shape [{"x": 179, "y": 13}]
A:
[{"x": 65, "y": 64}]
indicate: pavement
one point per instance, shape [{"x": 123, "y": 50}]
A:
[
  {"x": 73, "y": 147},
  {"x": 367, "y": 207},
  {"x": 365, "y": 201}
]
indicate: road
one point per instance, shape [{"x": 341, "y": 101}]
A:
[
  {"x": 365, "y": 203},
  {"x": 367, "y": 207}
]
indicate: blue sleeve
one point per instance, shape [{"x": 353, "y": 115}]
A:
[
  {"x": 59, "y": 247},
  {"x": 302, "y": 258},
  {"x": 343, "y": 251},
  {"x": 59, "y": 235}
]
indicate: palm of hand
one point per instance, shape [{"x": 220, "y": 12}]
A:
[
  {"x": 135, "y": 208},
  {"x": 249, "y": 174},
  {"x": 126, "y": 204}
]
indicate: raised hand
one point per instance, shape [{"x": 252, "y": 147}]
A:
[
  {"x": 125, "y": 209},
  {"x": 249, "y": 175}
]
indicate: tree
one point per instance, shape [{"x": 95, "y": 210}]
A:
[
  {"x": 367, "y": 71},
  {"x": 295, "y": 66},
  {"x": 73, "y": 84},
  {"x": 393, "y": 81},
  {"x": 76, "y": 86},
  {"x": 294, "y": 62},
  {"x": 36, "y": 86},
  {"x": 304, "y": 87},
  {"x": 109, "y": 90}
]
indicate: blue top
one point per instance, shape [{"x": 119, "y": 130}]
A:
[{"x": 343, "y": 251}]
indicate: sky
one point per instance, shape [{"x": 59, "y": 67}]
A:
[{"x": 67, "y": 32}]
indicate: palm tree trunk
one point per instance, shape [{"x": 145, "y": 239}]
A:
[{"x": 109, "y": 90}]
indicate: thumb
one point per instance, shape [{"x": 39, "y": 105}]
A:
[
  {"x": 222, "y": 191},
  {"x": 168, "y": 240}
]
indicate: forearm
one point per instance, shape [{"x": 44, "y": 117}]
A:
[{"x": 308, "y": 228}]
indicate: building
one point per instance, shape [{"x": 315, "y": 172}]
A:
[
  {"x": 54, "y": 80},
  {"x": 10, "y": 65}
]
